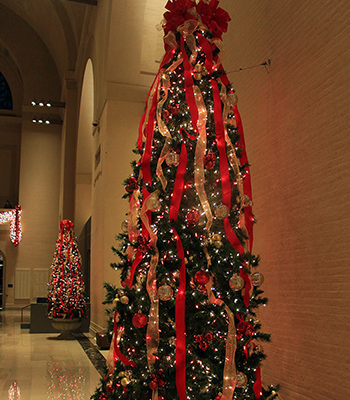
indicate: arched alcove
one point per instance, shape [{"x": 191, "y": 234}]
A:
[{"x": 84, "y": 152}]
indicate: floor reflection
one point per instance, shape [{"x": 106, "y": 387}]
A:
[
  {"x": 66, "y": 380},
  {"x": 35, "y": 368},
  {"x": 14, "y": 392}
]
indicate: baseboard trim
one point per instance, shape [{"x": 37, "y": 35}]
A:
[{"x": 94, "y": 328}]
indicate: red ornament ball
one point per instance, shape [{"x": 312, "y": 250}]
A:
[
  {"x": 103, "y": 396},
  {"x": 175, "y": 110},
  {"x": 153, "y": 385},
  {"x": 110, "y": 388},
  {"x": 132, "y": 181},
  {"x": 201, "y": 277},
  {"x": 139, "y": 320},
  {"x": 192, "y": 218},
  {"x": 209, "y": 161},
  {"x": 204, "y": 345},
  {"x": 209, "y": 337}
]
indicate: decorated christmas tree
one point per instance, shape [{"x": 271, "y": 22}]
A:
[
  {"x": 66, "y": 287},
  {"x": 184, "y": 324}
]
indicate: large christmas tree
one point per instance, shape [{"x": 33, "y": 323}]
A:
[
  {"x": 66, "y": 287},
  {"x": 185, "y": 324}
]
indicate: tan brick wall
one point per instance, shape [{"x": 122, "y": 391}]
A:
[{"x": 296, "y": 120}]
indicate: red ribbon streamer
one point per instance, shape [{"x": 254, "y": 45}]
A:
[
  {"x": 189, "y": 87},
  {"x": 257, "y": 386},
  {"x": 226, "y": 186},
  {"x": 179, "y": 184},
  {"x": 232, "y": 237},
  {"x": 138, "y": 258},
  {"x": 247, "y": 186},
  {"x": 208, "y": 51},
  {"x": 146, "y": 160},
  {"x": 180, "y": 355},
  {"x": 117, "y": 353},
  {"x": 247, "y": 286}
]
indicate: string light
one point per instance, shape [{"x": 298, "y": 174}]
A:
[{"x": 14, "y": 217}]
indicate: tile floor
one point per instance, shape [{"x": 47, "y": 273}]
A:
[{"x": 38, "y": 367}]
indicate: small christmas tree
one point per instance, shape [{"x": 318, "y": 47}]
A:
[
  {"x": 185, "y": 324},
  {"x": 66, "y": 287}
]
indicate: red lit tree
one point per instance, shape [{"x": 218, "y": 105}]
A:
[
  {"x": 66, "y": 287},
  {"x": 185, "y": 323}
]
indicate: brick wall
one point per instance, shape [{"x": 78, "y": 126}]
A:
[{"x": 296, "y": 119}]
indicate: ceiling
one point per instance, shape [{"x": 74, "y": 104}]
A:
[{"x": 58, "y": 23}]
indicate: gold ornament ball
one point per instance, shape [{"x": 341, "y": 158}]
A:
[
  {"x": 115, "y": 302},
  {"x": 257, "y": 278},
  {"x": 198, "y": 67},
  {"x": 218, "y": 244},
  {"x": 165, "y": 292},
  {"x": 121, "y": 374},
  {"x": 257, "y": 348},
  {"x": 124, "y": 299},
  {"x": 216, "y": 237},
  {"x": 241, "y": 379},
  {"x": 198, "y": 76},
  {"x": 246, "y": 201},
  {"x": 125, "y": 381},
  {"x": 172, "y": 341},
  {"x": 236, "y": 282},
  {"x": 153, "y": 203},
  {"x": 232, "y": 99},
  {"x": 222, "y": 211},
  {"x": 172, "y": 159}
]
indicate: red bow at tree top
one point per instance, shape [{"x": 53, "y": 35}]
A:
[
  {"x": 178, "y": 13},
  {"x": 214, "y": 17},
  {"x": 209, "y": 13}
]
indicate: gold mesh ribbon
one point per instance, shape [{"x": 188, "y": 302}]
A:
[
  {"x": 199, "y": 156},
  {"x": 152, "y": 336},
  {"x": 163, "y": 129},
  {"x": 134, "y": 213},
  {"x": 229, "y": 378},
  {"x": 233, "y": 159}
]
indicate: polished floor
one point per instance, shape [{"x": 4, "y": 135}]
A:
[{"x": 39, "y": 367}]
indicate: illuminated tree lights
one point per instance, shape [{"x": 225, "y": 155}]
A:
[
  {"x": 14, "y": 217},
  {"x": 66, "y": 287},
  {"x": 184, "y": 325}
]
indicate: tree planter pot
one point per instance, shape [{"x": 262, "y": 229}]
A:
[{"x": 66, "y": 327}]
